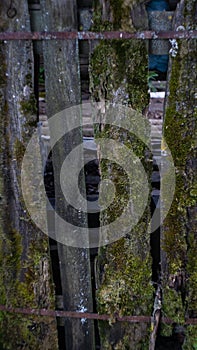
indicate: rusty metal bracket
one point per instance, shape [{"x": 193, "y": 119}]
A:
[{"x": 184, "y": 34}]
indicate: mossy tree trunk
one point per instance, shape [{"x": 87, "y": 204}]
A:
[
  {"x": 118, "y": 75},
  {"x": 25, "y": 274},
  {"x": 179, "y": 238},
  {"x": 62, "y": 82}
]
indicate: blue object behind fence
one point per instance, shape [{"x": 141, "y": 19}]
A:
[{"x": 158, "y": 62}]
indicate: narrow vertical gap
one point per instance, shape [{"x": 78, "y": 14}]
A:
[
  {"x": 92, "y": 176},
  {"x": 159, "y": 19},
  {"x": 158, "y": 64},
  {"x": 157, "y": 73},
  {"x": 36, "y": 81}
]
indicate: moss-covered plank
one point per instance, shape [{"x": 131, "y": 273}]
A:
[
  {"x": 118, "y": 76},
  {"x": 179, "y": 248},
  {"x": 25, "y": 273}
]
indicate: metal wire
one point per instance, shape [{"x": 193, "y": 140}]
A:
[
  {"x": 185, "y": 34},
  {"x": 91, "y": 316}
]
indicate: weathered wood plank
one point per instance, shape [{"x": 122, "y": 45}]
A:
[
  {"x": 61, "y": 63},
  {"x": 25, "y": 274},
  {"x": 179, "y": 248},
  {"x": 118, "y": 75}
]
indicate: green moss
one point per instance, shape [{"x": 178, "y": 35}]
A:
[
  {"x": 176, "y": 117},
  {"x": 98, "y": 24},
  {"x": 128, "y": 291},
  {"x": 28, "y": 107},
  {"x": 172, "y": 305},
  {"x": 191, "y": 338},
  {"x": 179, "y": 228},
  {"x": 116, "y": 17},
  {"x": 174, "y": 243},
  {"x": 120, "y": 65},
  {"x": 125, "y": 287},
  {"x": 42, "y": 94},
  {"x": 192, "y": 274},
  {"x": 28, "y": 79},
  {"x": 26, "y": 293},
  {"x": 23, "y": 248},
  {"x": 121, "y": 12},
  {"x": 118, "y": 74},
  {"x": 19, "y": 150},
  {"x": 180, "y": 139},
  {"x": 116, "y": 6}
]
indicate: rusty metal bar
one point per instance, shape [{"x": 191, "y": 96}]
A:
[
  {"x": 185, "y": 34},
  {"x": 91, "y": 316}
]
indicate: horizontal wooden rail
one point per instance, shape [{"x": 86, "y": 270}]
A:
[
  {"x": 87, "y": 315},
  {"x": 185, "y": 34}
]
